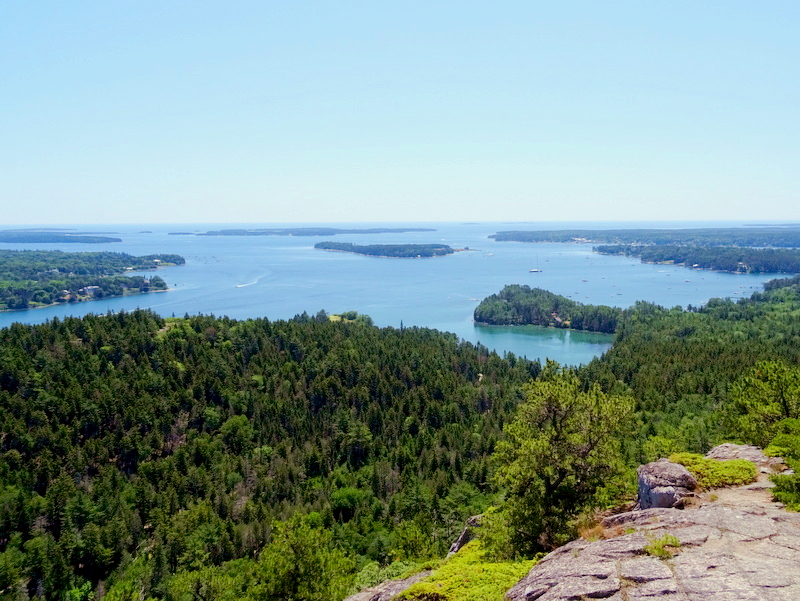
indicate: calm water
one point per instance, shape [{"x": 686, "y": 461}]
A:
[{"x": 279, "y": 277}]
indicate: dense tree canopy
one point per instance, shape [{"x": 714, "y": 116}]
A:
[
  {"x": 518, "y": 305},
  {"x": 180, "y": 442},
  {"x": 402, "y": 251},
  {"x": 778, "y": 237},
  {"x": 717, "y": 258},
  {"x": 34, "y": 278},
  {"x": 205, "y": 457},
  {"x": 562, "y": 447}
]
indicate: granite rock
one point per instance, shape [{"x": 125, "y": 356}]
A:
[{"x": 664, "y": 484}]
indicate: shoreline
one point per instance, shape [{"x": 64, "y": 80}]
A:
[{"x": 86, "y": 300}]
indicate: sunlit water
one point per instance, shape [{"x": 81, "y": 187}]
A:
[{"x": 279, "y": 277}]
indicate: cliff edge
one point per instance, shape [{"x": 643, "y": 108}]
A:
[{"x": 729, "y": 544}]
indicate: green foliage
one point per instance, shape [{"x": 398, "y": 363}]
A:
[
  {"x": 34, "y": 278},
  {"x": 372, "y": 573},
  {"x": 33, "y": 236},
  {"x": 469, "y": 575},
  {"x": 788, "y": 237},
  {"x": 786, "y": 444},
  {"x": 406, "y": 251},
  {"x": 681, "y": 365},
  {"x": 713, "y": 473},
  {"x": 155, "y": 455},
  {"x": 767, "y": 395},
  {"x": 152, "y": 454},
  {"x": 787, "y": 486},
  {"x": 664, "y": 547},
  {"x": 562, "y": 446},
  {"x": 717, "y": 258},
  {"x": 656, "y": 447},
  {"x": 516, "y": 305},
  {"x": 301, "y": 564}
]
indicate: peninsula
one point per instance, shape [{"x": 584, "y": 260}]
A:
[
  {"x": 733, "y": 259},
  {"x": 53, "y": 236},
  {"x": 36, "y": 278},
  {"x": 776, "y": 237}
]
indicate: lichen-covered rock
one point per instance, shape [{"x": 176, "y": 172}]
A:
[
  {"x": 467, "y": 534},
  {"x": 664, "y": 484},
  {"x": 740, "y": 546},
  {"x": 767, "y": 465},
  {"x": 388, "y": 590}
]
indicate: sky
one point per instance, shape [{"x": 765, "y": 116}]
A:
[{"x": 261, "y": 111}]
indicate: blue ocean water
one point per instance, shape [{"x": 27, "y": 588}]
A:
[{"x": 281, "y": 276}]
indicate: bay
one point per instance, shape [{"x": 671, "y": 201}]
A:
[{"x": 279, "y": 277}]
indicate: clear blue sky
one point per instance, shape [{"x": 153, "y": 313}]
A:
[{"x": 260, "y": 111}]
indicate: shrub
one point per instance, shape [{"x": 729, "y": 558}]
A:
[
  {"x": 712, "y": 473},
  {"x": 372, "y": 574},
  {"x": 467, "y": 576},
  {"x": 664, "y": 547}
]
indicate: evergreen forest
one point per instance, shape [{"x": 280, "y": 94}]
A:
[
  {"x": 757, "y": 236},
  {"x": 718, "y": 258},
  {"x": 203, "y": 457},
  {"x": 522, "y": 305},
  {"x": 402, "y": 251}
]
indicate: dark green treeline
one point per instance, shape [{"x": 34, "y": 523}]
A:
[{"x": 129, "y": 442}]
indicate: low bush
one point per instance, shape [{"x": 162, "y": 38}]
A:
[
  {"x": 713, "y": 473},
  {"x": 664, "y": 547},
  {"x": 468, "y": 576}
]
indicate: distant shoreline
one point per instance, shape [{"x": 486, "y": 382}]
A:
[
  {"x": 354, "y": 252},
  {"x": 82, "y": 300}
]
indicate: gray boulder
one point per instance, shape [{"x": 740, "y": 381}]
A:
[
  {"x": 388, "y": 590},
  {"x": 766, "y": 465},
  {"x": 467, "y": 534},
  {"x": 664, "y": 484}
]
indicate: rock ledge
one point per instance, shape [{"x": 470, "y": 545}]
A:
[{"x": 740, "y": 546}]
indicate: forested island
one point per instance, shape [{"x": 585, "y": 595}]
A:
[
  {"x": 307, "y": 231},
  {"x": 717, "y": 258},
  {"x": 779, "y": 237},
  {"x": 52, "y": 236},
  {"x": 38, "y": 278},
  {"x": 523, "y": 305},
  {"x": 211, "y": 458},
  {"x": 404, "y": 251}
]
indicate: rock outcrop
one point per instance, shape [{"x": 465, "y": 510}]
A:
[
  {"x": 736, "y": 544},
  {"x": 467, "y": 534},
  {"x": 766, "y": 465},
  {"x": 664, "y": 484},
  {"x": 388, "y": 590},
  {"x": 733, "y": 544}
]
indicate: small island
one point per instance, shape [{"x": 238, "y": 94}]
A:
[
  {"x": 31, "y": 279},
  {"x": 403, "y": 251},
  {"x": 53, "y": 236},
  {"x": 523, "y": 305},
  {"x": 310, "y": 231}
]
